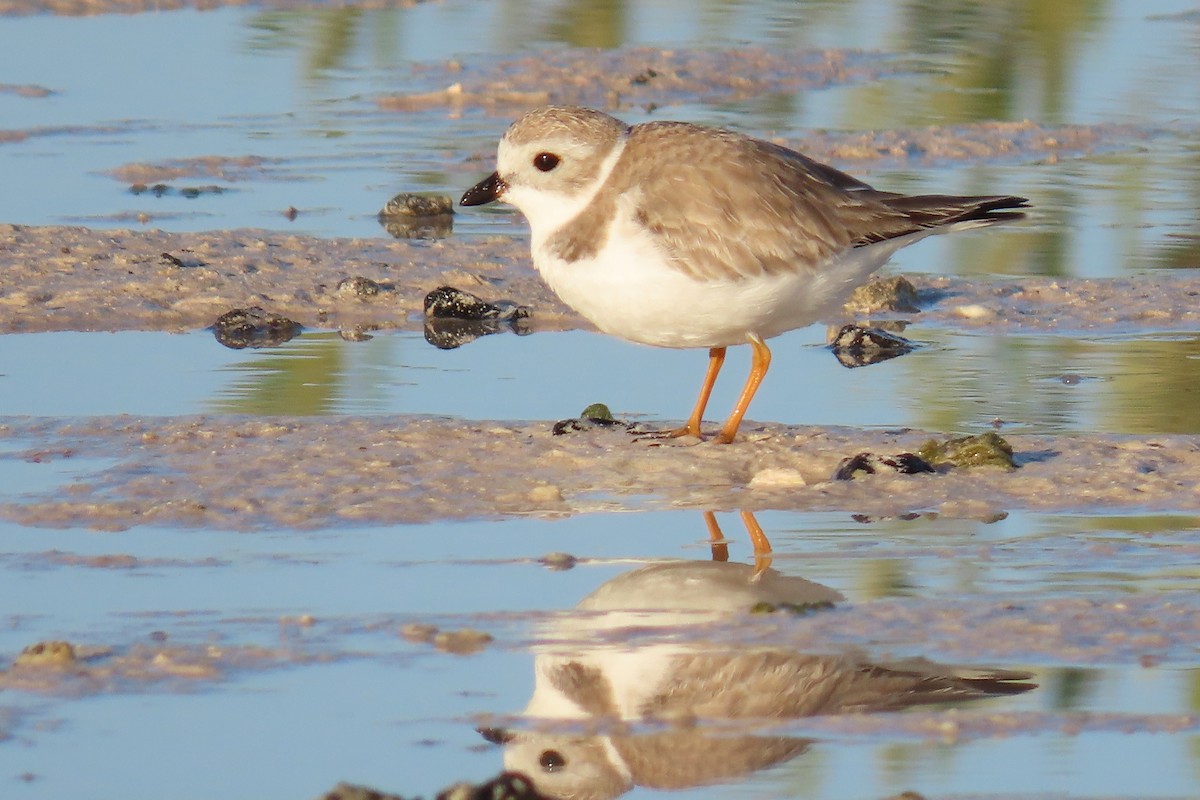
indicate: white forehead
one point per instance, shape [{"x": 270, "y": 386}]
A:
[{"x": 581, "y": 133}]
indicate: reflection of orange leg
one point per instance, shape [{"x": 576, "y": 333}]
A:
[
  {"x": 762, "y": 546},
  {"x": 758, "y": 370},
  {"x": 720, "y": 547},
  {"x": 716, "y": 357}
]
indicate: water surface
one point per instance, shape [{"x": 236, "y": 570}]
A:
[{"x": 312, "y": 682}]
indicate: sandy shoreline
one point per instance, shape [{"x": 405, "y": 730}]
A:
[
  {"x": 81, "y": 279},
  {"x": 242, "y": 473}
]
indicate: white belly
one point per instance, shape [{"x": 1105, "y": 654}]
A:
[{"x": 630, "y": 290}]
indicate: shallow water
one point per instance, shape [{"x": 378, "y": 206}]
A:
[
  {"x": 260, "y": 699},
  {"x": 404, "y": 713},
  {"x": 954, "y": 381}
]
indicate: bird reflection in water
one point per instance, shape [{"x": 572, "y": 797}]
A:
[{"x": 638, "y": 689}]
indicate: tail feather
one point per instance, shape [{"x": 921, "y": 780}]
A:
[{"x": 922, "y": 212}]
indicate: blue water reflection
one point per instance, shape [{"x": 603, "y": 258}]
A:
[
  {"x": 955, "y": 382},
  {"x": 299, "y": 85},
  {"x": 406, "y": 713}
]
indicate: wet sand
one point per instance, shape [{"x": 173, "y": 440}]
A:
[
  {"x": 238, "y": 473},
  {"x": 82, "y": 279}
]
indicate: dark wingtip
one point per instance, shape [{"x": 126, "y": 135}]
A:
[
  {"x": 942, "y": 210},
  {"x": 999, "y": 209},
  {"x": 1002, "y": 203},
  {"x": 921, "y": 212}
]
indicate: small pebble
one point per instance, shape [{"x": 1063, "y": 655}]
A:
[
  {"x": 417, "y": 216},
  {"x": 859, "y": 346},
  {"x": 560, "y": 562},
  {"x": 871, "y": 463},
  {"x": 777, "y": 478},
  {"x": 358, "y": 286},
  {"x": 884, "y": 294},
  {"x": 183, "y": 669},
  {"x": 984, "y": 450},
  {"x": 597, "y": 412},
  {"x": 253, "y": 327},
  {"x": 351, "y": 791},
  {"x": 419, "y": 632},
  {"x": 462, "y": 642},
  {"x": 358, "y": 333},
  {"x": 974, "y": 311},
  {"x": 452, "y": 303},
  {"x": 507, "y": 786},
  {"x": 449, "y": 334},
  {"x": 545, "y": 494},
  {"x": 406, "y": 204},
  {"x": 47, "y": 654},
  {"x": 971, "y": 509}
]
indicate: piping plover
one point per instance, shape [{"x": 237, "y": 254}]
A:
[
  {"x": 676, "y": 235},
  {"x": 651, "y": 683}
]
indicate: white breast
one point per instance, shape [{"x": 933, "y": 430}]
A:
[{"x": 631, "y": 290}]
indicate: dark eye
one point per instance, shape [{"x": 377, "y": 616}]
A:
[
  {"x": 552, "y": 760},
  {"x": 545, "y": 161}
]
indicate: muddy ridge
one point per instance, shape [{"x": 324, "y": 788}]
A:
[
  {"x": 236, "y": 473},
  {"x": 80, "y": 279}
]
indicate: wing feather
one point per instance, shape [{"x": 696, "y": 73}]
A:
[{"x": 727, "y": 207}]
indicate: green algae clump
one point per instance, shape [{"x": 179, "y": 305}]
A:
[{"x": 983, "y": 450}]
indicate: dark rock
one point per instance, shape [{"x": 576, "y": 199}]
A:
[
  {"x": 559, "y": 562},
  {"x": 595, "y": 415},
  {"x": 358, "y": 286},
  {"x": 859, "y": 346},
  {"x": 447, "y": 302},
  {"x": 350, "y": 791},
  {"x": 884, "y": 294},
  {"x": 447, "y": 334},
  {"x": 253, "y": 327},
  {"x": 454, "y": 317},
  {"x": 871, "y": 463},
  {"x": 416, "y": 216},
  {"x": 407, "y": 204},
  {"x": 506, "y": 786}
]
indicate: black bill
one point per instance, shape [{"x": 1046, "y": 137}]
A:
[
  {"x": 487, "y": 190},
  {"x": 496, "y": 735}
]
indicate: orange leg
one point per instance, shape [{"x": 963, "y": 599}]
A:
[
  {"x": 720, "y": 547},
  {"x": 762, "y": 545},
  {"x": 758, "y": 370},
  {"x": 716, "y": 357}
]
